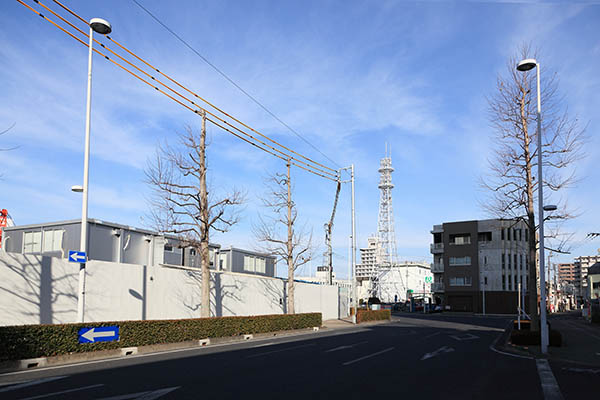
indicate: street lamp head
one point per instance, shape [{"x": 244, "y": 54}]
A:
[
  {"x": 550, "y": 207},
  {"x": 100, "y": 26},
  {"x": 77, "y": 188},
  {"x": 527, "y": 64}
]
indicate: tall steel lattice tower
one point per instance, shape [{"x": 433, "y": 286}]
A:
[{"x": 386, "y": 255}]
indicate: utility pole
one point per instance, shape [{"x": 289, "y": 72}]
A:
[{"x": 354, "y": 287}]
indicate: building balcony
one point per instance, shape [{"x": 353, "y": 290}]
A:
[
  {"x": 437, "y": 267},
  {"x": 436, "y": 248},
  {"x": 437, "y": 229},
  {"x": 437, "y": 287}
]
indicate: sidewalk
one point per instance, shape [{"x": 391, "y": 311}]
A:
[{"x": 580, "y": 340}]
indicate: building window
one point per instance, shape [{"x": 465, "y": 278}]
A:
[
  {"x": 515, "y": 261},
  {"x": 502, "y": 233},
  {"x": 508, "y": 234},
  {"x": 516, "y": 283},
  {"x": 503, "y": 282},
  {"x": 249, "y": 264},
  {"x": 509, "y": 261},
  {"x": 459, "y": 239},
  {"x": 485, "y": 280},
  {"x": 526, "y": 235},
  {"x": 509, "y": 283},
  {"x": 484, "y": 260},
  {"x": 521, "y": 262},
  {"x": 461, "y": 281},
  {"x": 32, "y": 242},
  {"x": 169, "y": 247},
  {"x": 484, "y": 237},
  {"x": 260, "y": 265},
  {"x": 503, "y": 261},
  {"x": 52, "y": 240},
  {"x": 460, "y": 260},
  {"x": 520, "y": 234}
]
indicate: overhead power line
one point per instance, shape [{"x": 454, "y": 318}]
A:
[
  {"x": 216, "y": 120},
  {"x": 233, "y": 82}
]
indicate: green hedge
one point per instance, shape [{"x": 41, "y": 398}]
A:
[
  {"x": 30, "y": 341},
  {"x": 372, "y": 315}
]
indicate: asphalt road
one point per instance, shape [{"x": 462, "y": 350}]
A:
[{"x": 422, "y": 357}]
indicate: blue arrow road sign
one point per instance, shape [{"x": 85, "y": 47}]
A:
[
  {"x": 99, "y": 334},
  {"x": 77, "y": 256}
]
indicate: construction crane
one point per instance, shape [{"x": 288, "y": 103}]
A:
[
  {"x": 3, "y": 222},
  {"x": 328, "y": 255}
]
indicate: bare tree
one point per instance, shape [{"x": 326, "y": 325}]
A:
[
  {"x": 512, "y": 180},
  {"x": 181, "y": 204},
  {"x": 294, "y": 247}
]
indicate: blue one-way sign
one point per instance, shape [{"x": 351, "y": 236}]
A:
[
  {"x": 77, "y": 256},
  {"x": 99, "y": 334}
]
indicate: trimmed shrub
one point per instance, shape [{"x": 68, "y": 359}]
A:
[
  {"x": 526, "y": 337},
  {"x": 372, "y": 315},
  {"x": 31, "y": 341}
]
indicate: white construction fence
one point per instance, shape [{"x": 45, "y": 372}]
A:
[{"x": 37, "y": 289}]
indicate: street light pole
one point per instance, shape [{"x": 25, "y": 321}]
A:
[
  {"x": 526, "y": 65},
  {"x": 103, "y": 27}
]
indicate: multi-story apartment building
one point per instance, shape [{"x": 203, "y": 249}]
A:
[
  {"x": 368, "y": 260},
  {"x": 473, "y": 257},
  {"x": 582, "y": 264},
  {"x": 566, "y": 273}
]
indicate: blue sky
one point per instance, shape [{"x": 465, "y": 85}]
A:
[{"x": 348, "y": 75}]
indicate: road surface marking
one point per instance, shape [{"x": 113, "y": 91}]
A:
[
  {"x": 585, "y": 370},
  {"x": 264, "y": 344},
  {"x": 41, "y": 396},
  {"x": 549, "y": 385},
  {"x": 433, "y": 334},
  {"x": 467, "y": 336},
  {"x": 30, "y": 383},
  {"x": 369, "y": 356},
  {"x": 441, "y": 350},
  {"x": 279, "y": 351},
  {"x": 345, "y": 347},
  {"x": 148, "y": 395}
]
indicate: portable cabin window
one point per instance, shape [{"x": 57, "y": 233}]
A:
[
  {"x": 52, "y": 240},
  {"x": 249, "y": 264},
  {"x": 260, "y": 265},
  {"x": 32, "y": 242}
]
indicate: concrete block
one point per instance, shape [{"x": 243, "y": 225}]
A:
[
  {"x": 248, "y": 337},
  {"x": 315, "y": 328},
  {"x": 33, "y": 363},
  {"x": 204, "y": 342},
  {"x": 128, "y": 351}
]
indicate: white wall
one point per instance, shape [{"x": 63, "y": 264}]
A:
[{"x": 36, "y": 289}]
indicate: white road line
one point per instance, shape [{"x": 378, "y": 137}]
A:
[
  {"x": 157, "y": 393},
  {"x": 433, "y": 334},
  {"x": 279, "y": 351},
  {"x": 41, "y": 396},
  {"x": 345, "y": 347},
  {"x": 148, "y": 395},
  {"x": 467, "y": 336},
  {"x": 369, "y": 356},
  {"x": 549, "y": 385},
  {"x": 30, "y": 383},
  {"x": 444, "y": 349},
  {"x": 263, "y": 345}
]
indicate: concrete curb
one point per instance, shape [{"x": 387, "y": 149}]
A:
[{"x": 66, "y": 359}]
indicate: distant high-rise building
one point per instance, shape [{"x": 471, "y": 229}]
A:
[{"x": 566, "y": 273}]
